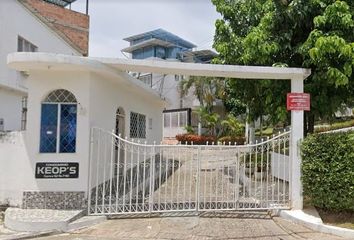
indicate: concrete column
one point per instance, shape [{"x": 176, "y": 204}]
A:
[
  {"x": 199, "y": 128},
  {"x": 297, "y": 134},
  {"x": 247, "y": 126}
]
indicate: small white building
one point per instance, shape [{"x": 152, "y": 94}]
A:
[
  {"x": 32, "y": 26},
  {"x": 68, "y": 96}
]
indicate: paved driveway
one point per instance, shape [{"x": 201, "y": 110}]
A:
[{"x": 227, "y": 226}]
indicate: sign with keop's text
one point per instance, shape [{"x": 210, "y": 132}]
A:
[{"x": 57, "y": 170}]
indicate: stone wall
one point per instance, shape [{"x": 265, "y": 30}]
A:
[{"x": 54, "y": 200}]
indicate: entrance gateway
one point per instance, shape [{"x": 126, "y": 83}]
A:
[
  {"x": 129, "y": 177},
  {"x": 117, "y": 176}
]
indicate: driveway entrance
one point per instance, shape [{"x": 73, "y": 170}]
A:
[{"x": 246, "y": 226}]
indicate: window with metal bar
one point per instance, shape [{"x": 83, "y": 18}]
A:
[
  {"x": 58, "y": 123},
  {"x": 24, "y": 113},
  {"x": 137, "y": 125}
]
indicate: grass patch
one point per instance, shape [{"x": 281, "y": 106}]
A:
[
  {"x": 344, "y": 219},
  {"x": 265, "y": 132},
  {"x": 335, "y": 126}
]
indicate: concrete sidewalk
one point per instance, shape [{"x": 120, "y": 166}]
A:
[{"x": 210, "y": 226}]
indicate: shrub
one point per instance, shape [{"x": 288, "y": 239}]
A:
[
  {"x": 328, "y": 170},
  {"x": 195, "y": 139},
  {"x": 239, "y": 140}
]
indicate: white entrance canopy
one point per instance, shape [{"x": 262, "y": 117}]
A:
[
  {"x": 117, "y": 67},
  {"x": 211, "y": 70},
  {"x": 21, "y": 61}
]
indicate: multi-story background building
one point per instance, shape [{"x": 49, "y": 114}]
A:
[
  {"x": 162, "y": 45},
  {"x": 31, "y": 26}
]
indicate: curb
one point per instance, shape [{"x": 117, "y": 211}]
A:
[
  {"x": 39, "y": 220},
  {"x": 84, "y": 222},
  {"x": 315, "y": 223},
  {"x": 20, "y": 236}
]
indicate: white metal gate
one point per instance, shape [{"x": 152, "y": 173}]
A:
[{"x": 128, "y": 177}]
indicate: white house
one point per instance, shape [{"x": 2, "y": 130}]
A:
[
  {"x": 67, "y": 97},
  {"x": 31, "y": 26}
]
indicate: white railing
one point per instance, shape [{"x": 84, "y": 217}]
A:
[{"x": 131, "y": 177}]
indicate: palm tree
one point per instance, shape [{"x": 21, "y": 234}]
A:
[
  {"x": 233, "y": 126},
  {"x": 209, "y": 120},
  {"x": 206, "y": 89}
]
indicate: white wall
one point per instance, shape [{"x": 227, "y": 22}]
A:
[
  {"x": 11, "y": 108},
  {"x": 17, "y": 161},
  {"x": 16, "y": 20},
  {"x": 15, "y": 168},
  {"x": 170, "y": 89},
  {"x": 107, "y": 96},
  {"x": 40, "y": 84}
]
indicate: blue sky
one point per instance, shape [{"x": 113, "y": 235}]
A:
[{"x": 113, "y": 20}]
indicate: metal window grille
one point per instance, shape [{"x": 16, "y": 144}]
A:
[
  {"x": 147, "y": 79},
  {"x": 67, "y": 128},
  {"x": 24, "y": 114},
  {"x": 142, "y": 126},
  {"x": 137, "y": 125},
  {"x": 60, "y": 96},
  {"x": 58, "y": 120}
]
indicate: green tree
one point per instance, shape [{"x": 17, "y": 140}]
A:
[{"x": 316, "y": 34}]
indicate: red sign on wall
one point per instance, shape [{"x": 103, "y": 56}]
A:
[{"x": 298, "y": 102}]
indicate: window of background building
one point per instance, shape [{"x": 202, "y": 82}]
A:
[
  {"x": 147, "y": 79},
  {"x": 160, "y": 52},
  {"x": 25, "y": 46},
  {"x": 175, "y": 119}
]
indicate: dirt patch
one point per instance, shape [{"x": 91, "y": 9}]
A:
[
  {"x": 339, "y": 219},
  {"x": 2, "y": 213}
]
